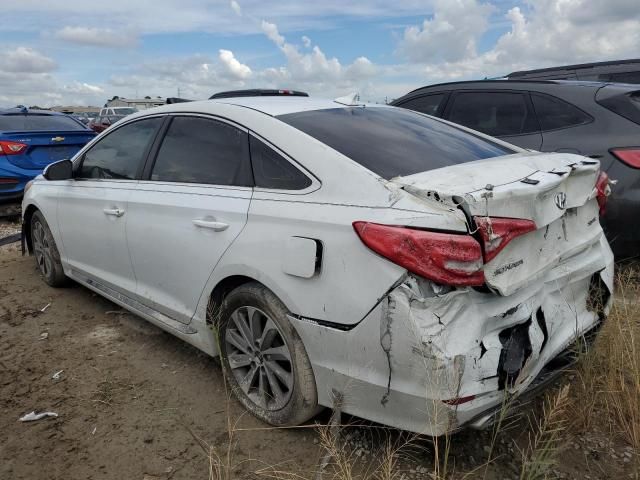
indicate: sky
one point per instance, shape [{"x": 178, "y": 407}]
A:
[{"x": 80, "y": 52}]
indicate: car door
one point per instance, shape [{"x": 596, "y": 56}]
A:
[
  {"x": 507, "y": 115},
  {"x": 92, "y": 208},
  {"x": 191, "y": 206},
  {"x": 557, "y": 119},
  {"x": 431, "y": 104}
]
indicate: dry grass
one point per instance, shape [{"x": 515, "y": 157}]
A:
[
  {"x": 607, "y": 393},
  {"x": 603, "y": 397}
]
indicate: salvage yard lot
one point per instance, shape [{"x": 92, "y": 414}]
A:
[{"x": 137, "y": 403}]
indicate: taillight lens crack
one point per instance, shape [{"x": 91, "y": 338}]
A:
[{"x": 445, "y": 258}]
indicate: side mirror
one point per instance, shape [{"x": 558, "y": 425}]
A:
[{"x": 62, "y": 170}]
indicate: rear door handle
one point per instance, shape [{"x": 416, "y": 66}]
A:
[
  {"x": 116, "y": 212},
  {"x": 212, "y": 224}
]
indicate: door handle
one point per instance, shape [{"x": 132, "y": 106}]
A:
[
  {"x": 116, "y": 212},
  {"x": 212, "y": 224}
]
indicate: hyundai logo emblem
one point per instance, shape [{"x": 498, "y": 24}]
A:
[{"x": 561, "y": 200}]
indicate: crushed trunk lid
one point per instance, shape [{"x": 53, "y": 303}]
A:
[{"x": 555, "y": 191}]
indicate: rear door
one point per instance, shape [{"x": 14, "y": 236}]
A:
[
  {"x": 431, "y": 104},
  {"x": 557, "y": 118},
  {"x": 191, "y": 206},
  {"x": 92, "y": 208},
  {"x": 507, "y": 115}
]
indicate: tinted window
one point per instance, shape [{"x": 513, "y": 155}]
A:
[
  {"x": 272, "y": 170},
  {"x": 124, "y": 111},
  {"x": 426, "y": 104},
  {"x": 33, "y": 122},
  {"x": 493, "y": 113},
  {"x": 120, "y": 154},
  {"x": 392, "y": 141},
  {"x": 555, "y": 113},
  {"x": 199, "y": 150}
]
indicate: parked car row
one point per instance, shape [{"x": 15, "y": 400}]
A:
[
  {"x": 408, "y": 268},
  {"x": 32, "y": 139},
  {"x": 595, "y": 119}
]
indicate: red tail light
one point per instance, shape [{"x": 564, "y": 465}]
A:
[
  {"x": 8, "y": 181},
  {"x": 497, "y": 232},
  {"x": 604, "y": 190},
  {"x": 629, "y": 156},
  {"x": 11, "y": 148},
  {"x": 445, "y": 258}
]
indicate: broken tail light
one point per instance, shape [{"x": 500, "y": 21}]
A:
[
  {"x": 628, "y": 156},
  {"x": 11, "y": 148},
  {"x": 445, "y": 258},
  {"x": 497, "y": 232},
  {"x": 604, "y": 190}
]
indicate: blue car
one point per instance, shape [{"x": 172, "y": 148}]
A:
[{"x": 32, "y": 139}]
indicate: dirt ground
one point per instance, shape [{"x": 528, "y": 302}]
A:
[{"x": 133, "y": 402}]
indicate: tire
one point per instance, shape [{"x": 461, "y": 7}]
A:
[
  {"x": 45, "y": 252},
  {"x": 281, "y": 387}
]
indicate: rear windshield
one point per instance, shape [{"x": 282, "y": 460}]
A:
[
  {"x": 124, "y": 110},
  {"x": 393, "y": 142},
  {"x": 33, "y": 122}
]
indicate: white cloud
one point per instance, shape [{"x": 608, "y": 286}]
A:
[
  {"x": 235, "y": 6},
  {"x": 451, "y": 34},
  {"x": 271, "y": 31},
  {"x": 233, "y": 67},
  {"x": 97, "y": 37},
  {"x": 547, "y": 33},
  {"x": 83, "y": 88},
  {"x": 25, "y": 60},
  {"x": 306, "y": 41},
  {"x": 314, "y": 70}
]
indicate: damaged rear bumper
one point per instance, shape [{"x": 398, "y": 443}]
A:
[{"x": 434, "y": 362}]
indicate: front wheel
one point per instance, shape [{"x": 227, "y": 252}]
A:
[
  {"x": 45, "y": 252},
  {"x": 264, "y": 359}
]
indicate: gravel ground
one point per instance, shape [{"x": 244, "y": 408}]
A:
[{"x": 135, "y": 402}]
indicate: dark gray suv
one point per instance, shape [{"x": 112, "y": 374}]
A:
[{"x": 595, "y": 119}]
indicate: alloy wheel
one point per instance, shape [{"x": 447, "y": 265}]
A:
[
  {"x": 42, "y": 249},
  {"x": 259, "y": 358}
]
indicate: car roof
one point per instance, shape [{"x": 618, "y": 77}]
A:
[
  {"x": 577, "y": 66},
  {"x": 27, "y": 111},
  {"x": 272, "y": 106},
  {"x": 510, "y": 83}
]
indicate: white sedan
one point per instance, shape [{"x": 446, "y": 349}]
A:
[{"x": 410, "y": 270}]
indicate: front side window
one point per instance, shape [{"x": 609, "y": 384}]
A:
[
  {"x": 393, "y": 142},
  {"x": 200, "y": 150},
  {"x": 272, "y": 170},
  {"x": 494, "y": 113},
  {"x": 120, "y": 154},
  {"x": 555, "y": 113},
  {"x": 428, "y": 104}
]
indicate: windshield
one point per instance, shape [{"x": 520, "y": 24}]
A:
[
  {"x": 393, "y": 142},
  {"x": 124, "y": 110},
  {"x": 34, "y": 122}
]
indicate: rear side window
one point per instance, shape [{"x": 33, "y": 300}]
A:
[
  {"x": 200, "y": 150},
  {"x": 393, "y": 142},
  {"x": 32, "y": 122},
  {"x": 428, "y": 104},
  {"x": 120, "y": 153},
  {"x": 272, "y": 170},
  {"x": 495, "y": 113},
  {"x": 554, "y": 113}
]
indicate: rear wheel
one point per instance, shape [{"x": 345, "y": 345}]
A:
[
  {"x": 264, "y": 360},
  {"x": 45, "y": 252}
]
